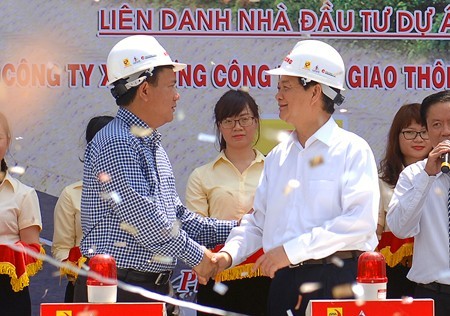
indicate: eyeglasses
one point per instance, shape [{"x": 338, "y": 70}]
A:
[
  {"x": 243, "y": 121},
  {"x": 410, "y": 135}
]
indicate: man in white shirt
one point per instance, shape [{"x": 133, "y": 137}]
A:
[
  {"x": 318, "y": 196},
  {"x": 419, "y": 208}
]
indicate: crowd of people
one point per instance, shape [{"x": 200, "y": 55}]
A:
[{"x": 262, "y": 224}]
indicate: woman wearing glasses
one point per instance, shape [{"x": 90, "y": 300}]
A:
[
  {"x": 224, "y": 189},
  {"x": 407, "y": 143}
]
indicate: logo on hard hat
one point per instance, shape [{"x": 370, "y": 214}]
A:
[
  {"x": 126, "y": 62},
  {"x": 288, "y": 60},
  {"x": 326, "y": 72},
  {"x": 307, "y": 65}
]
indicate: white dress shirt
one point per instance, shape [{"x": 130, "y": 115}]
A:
[
  {"x": 418, "y": 209},
  {"x": 314, "y": 200}
]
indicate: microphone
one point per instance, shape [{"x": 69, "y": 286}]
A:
[{"x": 445, "y": 165}]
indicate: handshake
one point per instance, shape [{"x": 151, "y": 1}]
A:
[{"x": 211, "y": 264}]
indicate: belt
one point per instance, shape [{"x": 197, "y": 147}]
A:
[
  {"x": 131, "y": 275},
  {"x": 437, "y": 287},
  {"x": 351, "y": 254}
]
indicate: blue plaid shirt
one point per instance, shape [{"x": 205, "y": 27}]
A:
[{"x": 135, "y": 214}]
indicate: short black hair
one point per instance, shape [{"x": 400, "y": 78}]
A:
[
  {"x": 126, "y": 98},
  {"x": 439, "y": 97},
  {"x": 96, "y": 124}
]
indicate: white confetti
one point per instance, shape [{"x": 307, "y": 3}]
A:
[
  {"x": 121, "y": 244},
  {"x": 206, "y": 138},
  {"x": 17, "y": 170},
  {"x": 309, "y": 287},
  {"x": 338, "y": 262},
  {"x": 175, "y": 228},
  {"x": 162, "y": 259},
  {"x": 45, "y": 293},
  {"x": 407, "y": 300},
  {"x": 180, "y": 115},
  {"x": 115, "y": 197},
  {"x": 245, "y": 89},
  {"x": 220, "y": 288},
  {"x": 291, "y": 185},
  {"x": 140, "y": 131},
  {"x": 129, "y": 228}
]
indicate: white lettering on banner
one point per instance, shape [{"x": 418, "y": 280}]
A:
[
  {"x": 35, "y": 75},
  {"x": 436, "y": 76},
  {"x": 264, "y": 20},
  {"x": 386, "y": 23},
  {"x": 124, "y": 19},
  {"x": 234, "y": 75},
  {"x": 200, "y": 20},
  {"x": 375, "y": 77}
]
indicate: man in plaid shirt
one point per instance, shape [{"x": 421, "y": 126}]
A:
[{"x": 130, "y": 208}]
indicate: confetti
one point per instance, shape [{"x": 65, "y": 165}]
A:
[
  {"x": 180, "y": 115},
  {"x": 316, "y": 161},
  {"x": 299, "y": 302},
  {"x": 17, "y": 170},
  {"x": 220, "y": 288},
  {"x": 245, "y": 89},
  {"x": 140, "y": 131},
  {"x": 115, "y": 197},
  {"x": 344, "y": 291},
  {"x": 162, "y": 259},
  {"x": 338, "y": 262},
  {"x": 282, "y": 136},
  {"x": 45, "y": 293},
  {"x": 175, "y": 228},
  {"x": 289, "y": 312},
  {"x": 407, "y": 300},
  {"x": 121, "y": 244},
  {"x": 438, "y": 192},
  {"x": 206, "y": 138},
  {"x": 309, "y": 287},
  {"x": 104, "y": 177},
  {"x": 92, "y": 249},
  {"x": 291, "y": 185},
  {"x": 129, "y": 228}
]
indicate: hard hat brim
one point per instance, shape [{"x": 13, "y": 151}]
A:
[
  {"x": 176, "y": 67},
  {"x": 281, "y": 72}
]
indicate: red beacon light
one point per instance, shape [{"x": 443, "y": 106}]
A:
[
  {"x": 372, "y": 275},
  {"x": 100, "y": 290}
]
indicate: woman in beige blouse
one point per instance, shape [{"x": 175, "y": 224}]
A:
[
  {"x": 224, "y": 189},
  {"x": 20, "y": 224}
]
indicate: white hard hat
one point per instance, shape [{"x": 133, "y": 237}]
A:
[
  {"x": 134, "y": 55},
  {"x": 315, "y": 61}
]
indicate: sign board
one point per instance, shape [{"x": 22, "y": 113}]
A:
[
  {"x": 418, "y": 307},
  {"x": 97, "y": 309}
]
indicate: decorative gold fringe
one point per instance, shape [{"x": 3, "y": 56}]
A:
[
  {"x": 393, "y": 259},
  {"x": 70, "y": 274},
  {"x": 238, "y": 273},
  {"x": 19, "y": 283}
]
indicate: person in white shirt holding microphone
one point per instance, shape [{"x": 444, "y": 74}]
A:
[{"x": 419, "y": 207}]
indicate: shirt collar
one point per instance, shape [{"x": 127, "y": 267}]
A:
[
  {"x": 259, "y": 157},
  {"x": 324, "y": 133},
  {"x": 132, "y": 120},
  {"x": 12, "y": 182}
]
